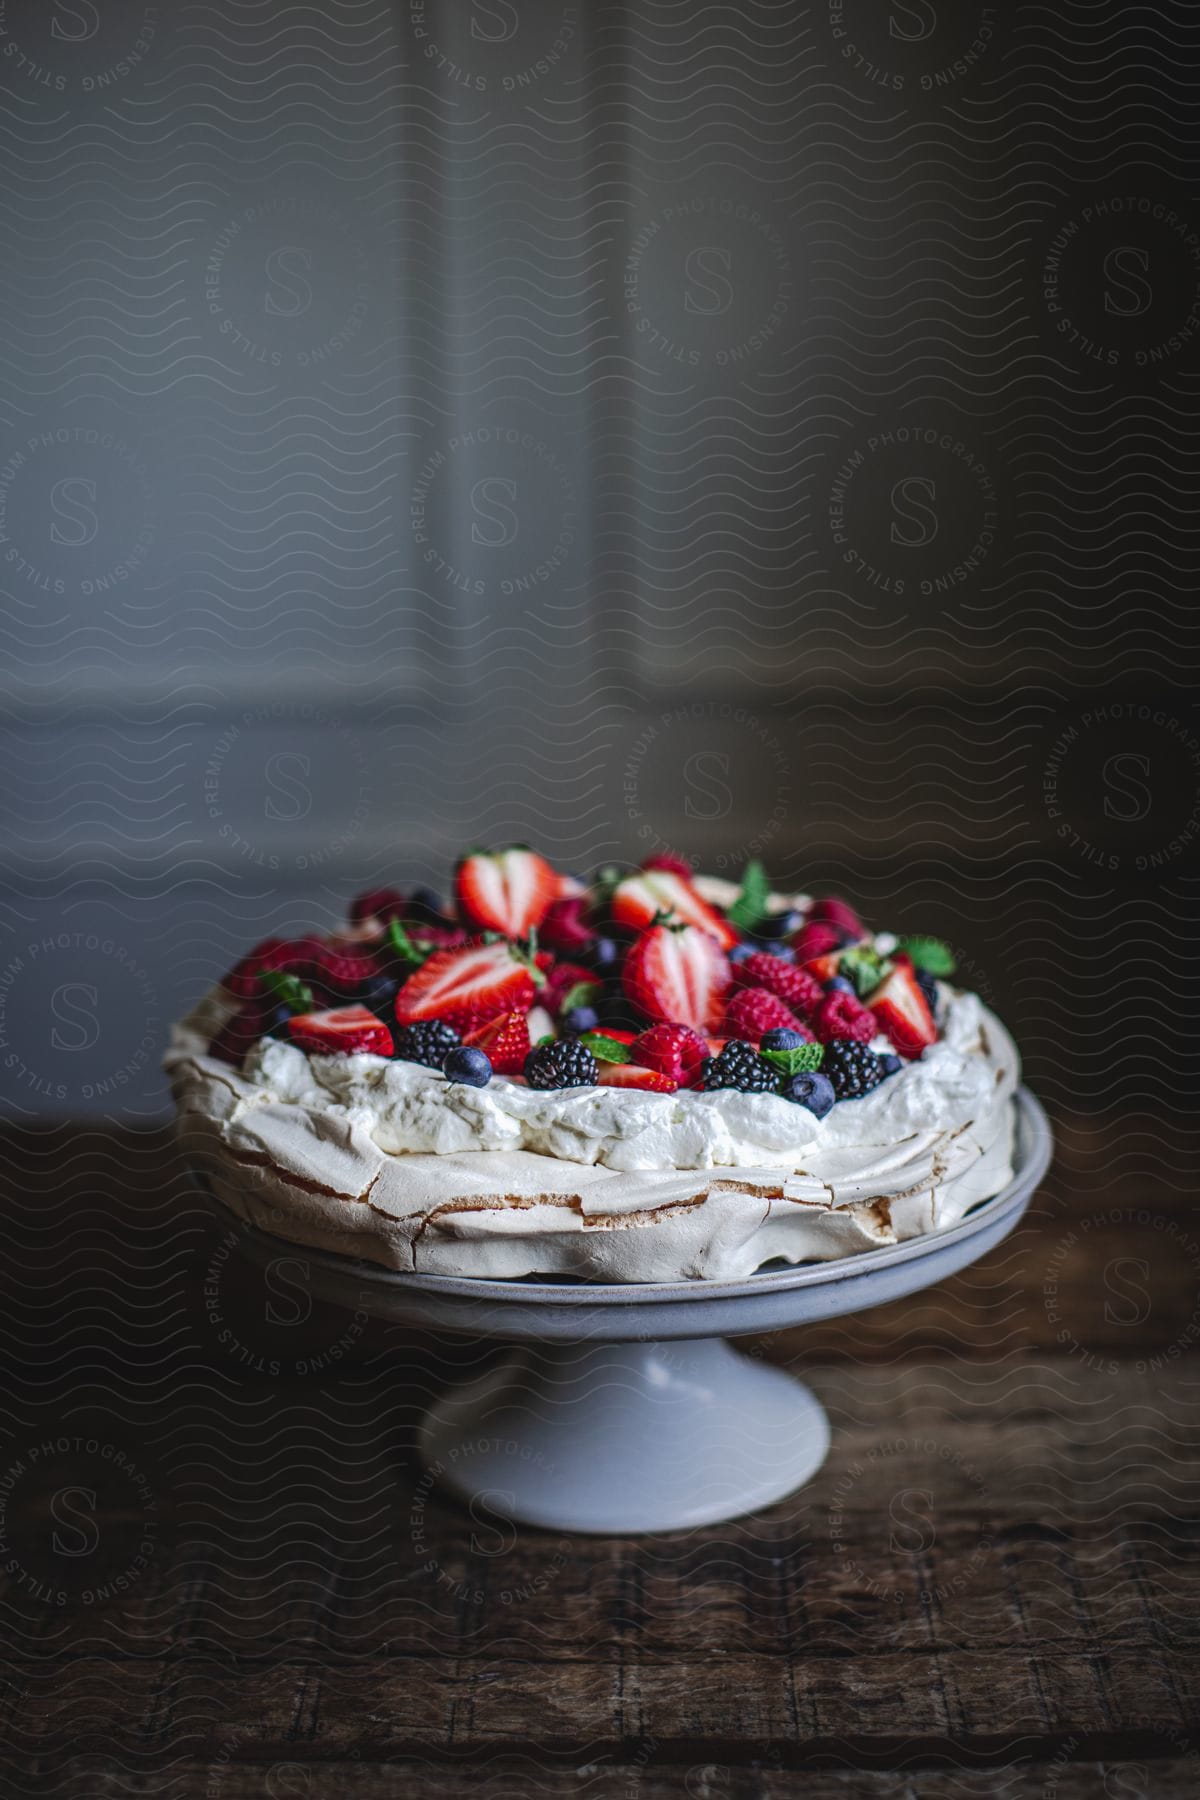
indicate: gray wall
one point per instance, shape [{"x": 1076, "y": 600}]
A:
[{"x": 763, "y": 430}]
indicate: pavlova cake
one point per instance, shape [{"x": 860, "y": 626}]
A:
[{"x": 652, "y": 1077}]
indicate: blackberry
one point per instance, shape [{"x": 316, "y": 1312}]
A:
[
  {"x": 852, "y": 1068},
  {"x": 738, "y": 1066},
  {"x": 428, "y": 1043},
  {"x": 563, "y": 1064}
]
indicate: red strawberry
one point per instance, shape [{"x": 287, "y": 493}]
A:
[
  {"x": 506, "y": 1041},
  {"x": 238, "y": 1034},
  {"x": 378, "y": 903},
  {"x": 817, "y": 939},
  {"x": 844, "y": 1016},
  {"x": 838, "y": 913},
  {"x": 559, "y": 982},
  {"x": 677, "y": 973},
  {"x": 505, "y": 890},
  {"x": 466, "y": 987},
  {"x": 799, "y": 988},
  {"x": 565, "y": 928},
  {"x": 344, "y": 1028},
  {"x": 902, "y": 1011},
  {"x": 752, "y": 1011},
  {"x": 637, "y": 900},
  {"x": 674, "y": 865},
  {"x": 674, "y": 1050},
  {"x": 633, "y": 1075}
]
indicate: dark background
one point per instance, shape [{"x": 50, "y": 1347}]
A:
[{"x": 607, "y": 429}]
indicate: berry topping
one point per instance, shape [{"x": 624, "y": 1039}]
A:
[
  {"x": 633, "y": 1075},
  {"x": 674, "y": 865},
  {"x": 678, "y": 974},
  {"x": 811, "y": 1089},
  {"x": 467, "y": 987},
  {"x": 565, "y": 928},
  {"x": 673, "y": 1050},
  {"x": 891, "y": 1065},
  {"x": 345, "y": 1028},
  {"x": 578, "y": 1019},
  {"x": 841, "y": 984},
  {"x": 785, "y": 1038},
  {"x": 605, "y": 954},
  {"x": 426, "y": 1043},
  {"x": 843, "y": 1016},
  {"x": 816, "y": 940},
  {"x": 797, "y": 987},
  {"x": 381, "y": 904},
  {"x": 903, "y": 1012},
  {"x": 852, "y": 1068},
  {"x": 505, "y": 1041},
  {"x": 839, "y": 913},
  {"x": 641, "y": 899},
  {"x": 751, "y": 1011},
  {"x": 467, "y": 1065},
  {"x": 505, "y": 890},
  {"x": 566, "y": 1063},
  {"x": 738, "y": 1066}
]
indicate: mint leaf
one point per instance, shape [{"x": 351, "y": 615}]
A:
[
  {"x": 930, "y": 953},
  {"x": 865, "y": 968},
  {"x": 750, "y": 908},
  {"x": 605, "y": 1049},
  {"x": 288, "y": 990},
  {"x": 802, "y": 1060},
  {"x": 404, "y": 946},
  {"x": 584, "y": 993}
]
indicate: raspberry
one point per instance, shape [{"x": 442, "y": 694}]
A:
[
  {"x": 817, "y": 939},
  {"x": 674, "y": 1050},
  {"x": 565, "y": 928},
  {"x": 852, "y": 1069},
  {"x": 842, "y": 1015},
  {"x": 797, "y": 987},
  {"x": 839, "y": 913},
  {"x": 428, "y": 1043},
  {"x": 379, "y": 903},
  {"x": 738, "y": 1066},
  {"x": 566, "y": 1063},
  {"x": 560, "y": 979},
  {"x": 753, "y": 1011}
]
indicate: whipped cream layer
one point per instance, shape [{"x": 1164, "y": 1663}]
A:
[{"x": 388, "y": 1160}]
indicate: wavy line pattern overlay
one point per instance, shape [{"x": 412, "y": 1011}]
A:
[{"x": 741, "y": 429}]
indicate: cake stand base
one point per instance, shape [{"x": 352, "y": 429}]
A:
[{"x": 553, "y": 1433}]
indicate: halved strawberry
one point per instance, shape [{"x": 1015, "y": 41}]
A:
[
  {"x": 343, "y": 1028},
  {"x": 633, "y": 1075},
  {"x": 505, "y": 890},
  {"x": 677, "y": 973},
  {"x": 467, "y": 987},
  {"x": 674, "y": 1050},
  {"x": 902, "y": 1012},
  {"x": 637, "y": 900},
  {"x": 506, "y": 1041}
]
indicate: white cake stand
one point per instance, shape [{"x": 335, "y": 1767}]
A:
[{"x": 623, "y": 1409}]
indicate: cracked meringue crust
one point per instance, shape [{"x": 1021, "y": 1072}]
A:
[{"x": 388, "y": 1161}]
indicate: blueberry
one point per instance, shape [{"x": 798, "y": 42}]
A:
[
  {"x": 605, "y": 953},
  {"x": 467, "y": 1065},
  {"x": 780, "y": 924},
  {"x": 276, "y": 1021},
  {"x": 379, "y": 993},
  {"x": 424, "y": 907},
  {"x": 890, "y": 1065},
  {"x": 740, "y": 952},
  {"x": 782, "y": 1039},
  {"x": 580, "y": 1018},
  {"x": 840, "y": 985},
  {"x": 814, "y": 1091},
  {"x": 777, "y": 948}
]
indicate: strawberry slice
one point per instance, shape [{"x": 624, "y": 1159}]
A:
[
  {"x": 505, "y": 890},
  {"x": 902, "y": 1012},
  {"x": 505, "y": 1040},
  {"x": 632, "y": 1075},
  {"x": 674, "y": 1050},
  {"x": 678, "y": 974},
  {"x": 465, "y": 988},
  {"x": 343, "y": 1028},
  {"x": 640, "y": 898}
]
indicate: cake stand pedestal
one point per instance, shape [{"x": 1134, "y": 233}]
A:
[{"x": 622, "y": 1408}]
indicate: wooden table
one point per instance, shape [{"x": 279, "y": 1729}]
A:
[{"x": 224, "y": 1575}]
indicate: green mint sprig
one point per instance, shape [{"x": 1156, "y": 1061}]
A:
[
  {"x": 605, "y": 1049},
  {"x": 931, "y": 954},
  {"x": 288, "y": 990},
  {"x": 749, "y": 910},
  {"x": 800, "y": 1061},
  {"x": 865, "y": 968},
  {"x": 584, "y": 993}
]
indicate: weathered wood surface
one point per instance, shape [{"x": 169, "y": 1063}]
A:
[{"x": 993, "y": 1586}]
